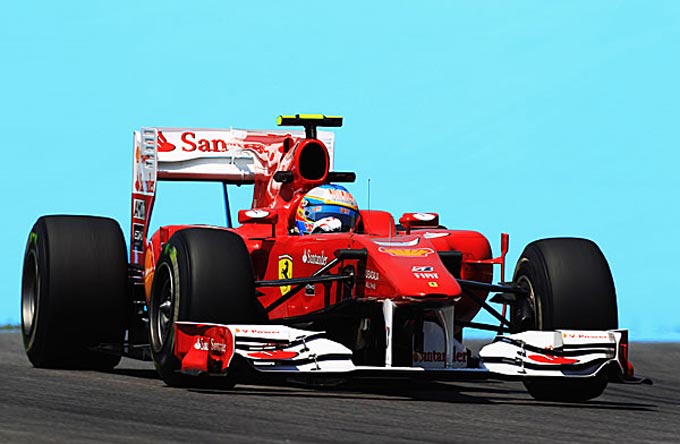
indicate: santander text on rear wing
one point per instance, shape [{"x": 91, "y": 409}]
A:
[{"x": 231, "y": 156}]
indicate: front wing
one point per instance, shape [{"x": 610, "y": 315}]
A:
[{"x": 285, "y": 351}]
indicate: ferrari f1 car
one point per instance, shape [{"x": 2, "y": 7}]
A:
[{"x": 309, "y": 285}]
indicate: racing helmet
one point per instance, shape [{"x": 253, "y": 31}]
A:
[{"x": 327, "y": 208}]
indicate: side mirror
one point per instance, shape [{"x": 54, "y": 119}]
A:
[{"x": 416, "y": 220}]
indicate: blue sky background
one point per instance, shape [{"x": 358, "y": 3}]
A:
[{"x": 537, "y": 118}]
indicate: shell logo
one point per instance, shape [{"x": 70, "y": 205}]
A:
[{"x": 407, "y": 252}]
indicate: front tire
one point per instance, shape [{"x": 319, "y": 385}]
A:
[
  {"x": 73, "y": 292},
  {"x": 570, "y": 286},
  {"x": 202, "y": 275}
]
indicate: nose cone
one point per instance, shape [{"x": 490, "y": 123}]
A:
[{"x": 407, "y": 267}]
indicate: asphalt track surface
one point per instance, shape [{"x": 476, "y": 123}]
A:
[{"x": 131, "y": 404}]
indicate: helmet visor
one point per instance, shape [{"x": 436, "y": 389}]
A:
[{"x": 347, "y": 216}]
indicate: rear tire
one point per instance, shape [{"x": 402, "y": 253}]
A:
[
  {"x": 202, "y": 275},
  {"x": 73, "y": 294},
  {"x": 570, "y": 287}
]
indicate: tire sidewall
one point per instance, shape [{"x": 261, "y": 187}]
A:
[
  {"x": 530, "y": 274},
  {"x": 40, "y": 322},
  {"x": 163, "y": 356}
]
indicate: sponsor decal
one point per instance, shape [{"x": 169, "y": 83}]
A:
[
  {"x": 257, "y": 214},
  {"x": 203, "y": 145},
  {"x": 424, "y": 272},
  {"x": 310, "y": 290},
  {"x": 372, "y": 275},
  {"x": 433, "y": 284},
  {"x": 273, "y": 354},
  {"x": 438, "y": 356},
  {"x": 139, "y": 211},
  {"x": 431, "y": 352},
  {"x": 33, "y": 238},
  {"x": 370, "y": 285},
  {"x": 144, "y": 169},
  {"x": 406, "y": 252},
  {"x": 138, "y": 238},
  {"x": 550, "y": 359},
  {"x": 314, "y": 259},
  {"x": 603, "y": 337},
  {"x": 425, "y": 217},
  {"x": 209, "y": 345},
  {"x": 426, "y": 275},
  {"x": 257, "y": 331},
  {"x": 163, "y": 145},
  {"x": 209, "y": 141},
  {"x": 285, "y": 271},
  {"x": 341, "y": 196}
]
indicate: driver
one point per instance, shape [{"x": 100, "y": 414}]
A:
[{"x": 325, "y": 209}]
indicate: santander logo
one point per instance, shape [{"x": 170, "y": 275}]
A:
[
  {"x": 194, "y": 141},
  {"x": 209, "y": 345},
  {"x": 191, "y": 143},
  {"x": 163, "y": 145}
]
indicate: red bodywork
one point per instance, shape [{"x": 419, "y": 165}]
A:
[
  {"x": 389, "y": 271},
  {"x": 403, "y": 263}
]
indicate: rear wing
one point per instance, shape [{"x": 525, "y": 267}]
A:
[
  {"x": 223, "y": 155},
  {"x": 231, "y": 156}
]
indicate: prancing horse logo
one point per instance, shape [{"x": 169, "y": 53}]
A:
[{"x": 285, "y": 271}]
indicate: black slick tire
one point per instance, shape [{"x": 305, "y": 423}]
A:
[
  {"x": 202, "y": 275},
  {"x": 570, "y": 287},
  {"x": 74, "y": 292}
]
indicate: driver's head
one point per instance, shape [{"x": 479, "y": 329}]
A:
[{"x": 328, "y": 208}]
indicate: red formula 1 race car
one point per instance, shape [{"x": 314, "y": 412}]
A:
[{"x": 309, "y": 285}]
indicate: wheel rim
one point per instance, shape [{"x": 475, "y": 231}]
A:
[
  {"x": 162, "y": 315},
  {"x": 30, "y": 289},
  {"x": 524, "y": 282}
]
